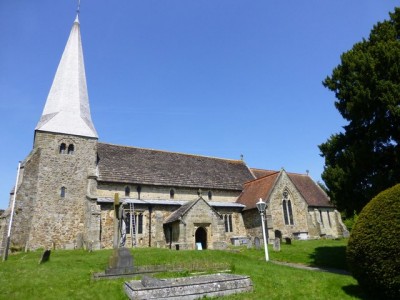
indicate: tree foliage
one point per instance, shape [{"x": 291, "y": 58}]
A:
[
  {"x": 365, "y": 158},
  {"x": 373, "y": 248}
]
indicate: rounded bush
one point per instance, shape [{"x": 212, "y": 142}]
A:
[{"x": 373, "y": 251}]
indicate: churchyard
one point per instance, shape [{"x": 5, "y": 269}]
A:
[{"x": 69, "y": 274}]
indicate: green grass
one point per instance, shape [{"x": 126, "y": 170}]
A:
[{"x": 68, "y": 274}]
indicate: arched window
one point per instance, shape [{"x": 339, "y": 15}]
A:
[
  {"x": 209, "y": 195},
  {"x": 127, "y": 191},
  {"x": 63, "y": 192},
  {"x": 171, "y": 193},
  {"x": 287, "y": 209},
  {"x": 71, "y": 149},
  {"x": 62, "y": 148},
  {"x": 139, "y": 190}
]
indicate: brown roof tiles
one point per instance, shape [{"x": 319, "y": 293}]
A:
[
  {"x": 262, "y": 187},
  {"x": 145, "y": 166}
]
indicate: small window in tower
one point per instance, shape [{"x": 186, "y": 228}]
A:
[
  {"x": 209, "y": 195},
  {"x": 139, "y": 190},
  {"x": 62, "y": 148},
  {"x": 71, "y": 149},
  {"x": 127, "y": 191},
  {"x": 63, "y": 192},
  {"x": 171, "y": 193}
]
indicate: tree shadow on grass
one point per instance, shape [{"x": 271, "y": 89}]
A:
[
  {"x": 330, "y": 257},
  {"x": 356, "y": 291}
]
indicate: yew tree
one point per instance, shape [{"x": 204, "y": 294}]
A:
[{"x": 364, "y": 159}]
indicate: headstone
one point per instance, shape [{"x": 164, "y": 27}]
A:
[
  {"x": 45, "y": 257},
  {"x": 79, "y": 241},
  {"x": 249, "y": 244},
  {"x": 277, "y": 245},
  {"x": 288, "y": 240},
  {"x": 257, "y": 243}
]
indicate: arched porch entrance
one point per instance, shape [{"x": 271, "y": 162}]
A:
[{"x": 201, "y": 237}]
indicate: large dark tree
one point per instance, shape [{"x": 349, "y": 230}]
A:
[{"x": 364, "y": 159}]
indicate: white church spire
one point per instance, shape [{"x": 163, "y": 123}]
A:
[{"x": 67, "y": 106}]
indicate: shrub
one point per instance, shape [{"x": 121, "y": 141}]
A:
[
  {"x": 350, "y": 221},
  {"x": 374, "y": 245}
]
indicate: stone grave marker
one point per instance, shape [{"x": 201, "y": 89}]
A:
[
  {"x": 277, "y": 245},
  {"x": 288, "y": 240},
  {"x": 257, "y": 243},
  {"x": 249, "y": 244},
  {"x": 45, "y": 257}
]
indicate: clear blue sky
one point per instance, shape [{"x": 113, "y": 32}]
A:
[{"x": 210, "y": 77}]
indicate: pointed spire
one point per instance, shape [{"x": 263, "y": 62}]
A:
[{"x": 67, "y": 106}]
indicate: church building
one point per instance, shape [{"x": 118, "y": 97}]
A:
[{"x": 65, "y": 193}]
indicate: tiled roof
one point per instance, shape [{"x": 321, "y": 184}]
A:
[
  {"x": 256, "y": 189},
  {"x": 310, "y": 191},
  {"x": 261, "y": 173},
  {"x": 176, "y": 215},
  {"x": 262, "y": 187},
  {"x": 153, "y": 167}
]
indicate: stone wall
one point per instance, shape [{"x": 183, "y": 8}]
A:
[
  {"x": 25, "y": 200},
  {"x": 162, "y": 193},
  {"x": 154, "y": 233},
  {"x": 299, "y": 209},
  {"x": 59, "y": 220}
]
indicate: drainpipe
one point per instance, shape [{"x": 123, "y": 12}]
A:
[
  {"x": 150, "y": 211},
  {"x": 11, "y": 216}
]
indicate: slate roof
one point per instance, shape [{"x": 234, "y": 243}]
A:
[
  {"x": 176, "y": 215},
  {"x": 180, "y": 211},
  {"x": 263, "y": 186},
  {"x": 133, "y": 165}
]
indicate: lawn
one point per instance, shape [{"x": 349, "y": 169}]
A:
[{"x": 68, "y": 274}]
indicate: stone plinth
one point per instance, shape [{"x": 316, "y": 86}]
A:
[
  {"x": 120, "y": 263},
  {"x": 188, "y": 288}
]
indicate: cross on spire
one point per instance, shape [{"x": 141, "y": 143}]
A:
[{"x": 78, "y": 9}]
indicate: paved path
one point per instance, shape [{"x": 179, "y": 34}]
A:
[{"x": 304, "y": 267}]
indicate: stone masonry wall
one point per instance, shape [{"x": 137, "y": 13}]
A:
[
  {"x": 201, "y": 215},
  {"x": 25, "y": 200},
  {"x": 163, "y": 193},
  {"x": 153, "y": 235},
  {"x": 275, "y": 209},
  {"x": 60, "y": 221}
]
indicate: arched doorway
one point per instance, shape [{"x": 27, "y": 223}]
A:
[{"x": 201, "y": 237}]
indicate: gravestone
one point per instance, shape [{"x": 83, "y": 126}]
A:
[
  {"x": 288, "y": 240},
  {"x": 188, "y": 288},
  {"x": 249, "y": 244},
  {"x": 45, "y": 257},
  {"x": 257, "y": 243},
  {"x": 277, "y": 245},
  {"x": 148, "y": 281}
]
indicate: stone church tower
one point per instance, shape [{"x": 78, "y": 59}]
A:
[{"x": 51, "y": 201}]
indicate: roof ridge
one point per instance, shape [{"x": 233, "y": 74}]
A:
[{"x": 262, "y": 177}]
